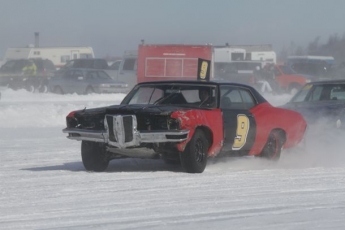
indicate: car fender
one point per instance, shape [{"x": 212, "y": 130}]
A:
[
  {"x": 210, "y": 119},
  {"x": 269, "y": 118}
]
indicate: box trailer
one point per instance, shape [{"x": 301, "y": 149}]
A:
[
  {"x": 168, "y": 62},
  {"x": 58, "y": 55}
]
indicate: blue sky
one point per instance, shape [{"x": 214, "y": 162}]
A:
[{"x": 113, "y": 26}]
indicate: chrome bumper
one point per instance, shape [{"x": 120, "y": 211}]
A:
[{"x": 121, "y": 132}]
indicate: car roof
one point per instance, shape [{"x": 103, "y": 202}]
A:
[
  {"x": 259, "y": 98},
  {"x": 328, "y": 82},
  {"x": 211, "y": 82},
  {"x": 82, "y": 69},
  {"x": 88, "y": 59}
]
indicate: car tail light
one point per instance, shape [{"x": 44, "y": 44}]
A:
[{"x": 71, "y": 114}]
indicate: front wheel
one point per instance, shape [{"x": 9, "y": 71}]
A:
[
  {"x": 94, "y": 156},
  {"x": 194, "y": 157},
  {"x": 30, "y": 88},
  {"x": 272, "y": 148},
  {"x": 43, "y": 89}
]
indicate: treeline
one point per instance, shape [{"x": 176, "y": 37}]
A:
[{"x": 335, "y": 47}]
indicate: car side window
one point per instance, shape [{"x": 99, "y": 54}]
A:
[
  {"x": 103, "y": 75},
  {"x": 91, "y": 75},
  {"x": 115, "y": 65},
  {"x": 129, "y": 64},
  {"x": 77, "y": 74},
  {"x": 316, "y": 94},
  {"x": 8, "y": 66},
  {"x": 146, "y": 95},
  {"x": 338, "y": 93},
  {"x": 236, "y": 98}
]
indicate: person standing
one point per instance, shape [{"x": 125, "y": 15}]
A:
[
  {"x": 30, "y": 68},
  {"x": 265, "y": 85}
]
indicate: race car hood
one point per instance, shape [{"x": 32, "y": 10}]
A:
[{"x": 94, "y": 118}]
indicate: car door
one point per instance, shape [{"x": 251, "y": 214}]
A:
[
  {"x": 65, "y": 81},
  {"x": 239, "y": 124},
  {"x": 78, "y": 82}
]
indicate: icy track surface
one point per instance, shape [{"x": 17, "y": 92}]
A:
[{"x": 44, "y": 184}]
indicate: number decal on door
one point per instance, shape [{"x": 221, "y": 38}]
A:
[{"x": 241, "y": 131}]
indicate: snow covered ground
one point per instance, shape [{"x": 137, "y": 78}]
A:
[{"x": 44, "y": 184}]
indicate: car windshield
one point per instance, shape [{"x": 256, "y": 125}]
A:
[
  {"x": 195, "y": 95},
  {"x": 320, "y": 92}
]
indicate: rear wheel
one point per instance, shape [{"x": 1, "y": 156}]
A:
[
  {"x": 94, "y": 156},
  {"x": 272, "y": 149},
  {"x": 194, "y": 157},
  {"x": 30, "y": 88}
]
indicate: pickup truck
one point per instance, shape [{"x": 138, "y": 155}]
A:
[
  {"x": 125, "y": 70},
  {"x": 290, "y": 81}
]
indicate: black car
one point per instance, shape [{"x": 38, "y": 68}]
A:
[
  {"x": 13, "y": 76},
  {"x": 321, "y": 103},
  {"x": 85, "y": 81},
  {"x": 184, "y": 122}
]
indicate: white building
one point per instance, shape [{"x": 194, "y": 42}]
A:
[{"x": 58, "y": 55}]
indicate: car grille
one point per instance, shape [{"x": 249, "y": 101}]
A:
[
  {"x": 128, "y": 128},
  {"x": 110, "y": 128},
  {"x": 120, "y": 128}
]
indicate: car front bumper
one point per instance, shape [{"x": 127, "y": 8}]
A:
[{"x": 121, "y": 132}]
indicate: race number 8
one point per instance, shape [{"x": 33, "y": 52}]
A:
[{"x": 241, "y": 132}]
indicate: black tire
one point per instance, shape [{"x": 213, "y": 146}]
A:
[
  {"x": 272, "y": 148},
  {"x": 94, "y": 156},
  {"x": 194, "y": 157},
  {"x": 43, "y": 89},
  {"x": 30, "y": 88},
  {"x": 58, "y": 90},
  {"x": 89, "y": 90}
]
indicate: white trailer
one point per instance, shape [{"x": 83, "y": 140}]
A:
[
  {"x": 226, "y": 54},
  {"x": 58, "y": 55},
  {"x": 264, "y": 57}
]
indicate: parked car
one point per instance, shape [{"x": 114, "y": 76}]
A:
[
  {"x": 321, "y": 103},
  {"x": 85, "y": 81},
  {"x": 184, "y": 122},
  {"x": 127, "y": 69},
  {"x": 13, "y": 76},
  {"x": 87, "y": 63},
  {"x": 318, "y": 66}
]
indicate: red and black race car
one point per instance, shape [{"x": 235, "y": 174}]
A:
[{"x": 186, "y": 122}]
